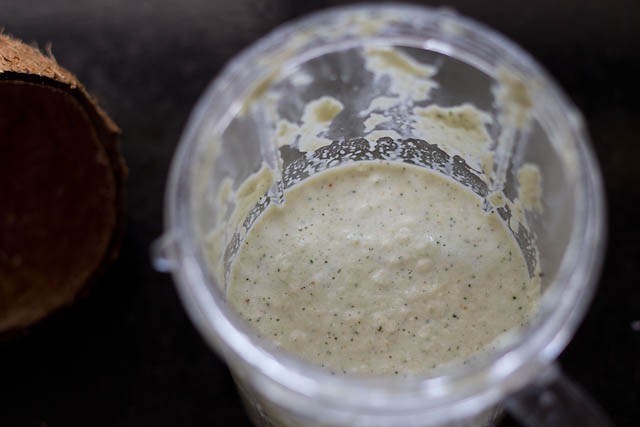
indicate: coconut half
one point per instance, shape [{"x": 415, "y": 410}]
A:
[{"x": 61, "y": 186}]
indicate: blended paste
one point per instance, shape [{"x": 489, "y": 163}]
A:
[{"x": 381, "y": 268}]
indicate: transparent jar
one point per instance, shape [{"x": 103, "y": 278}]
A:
[{"x": 231, "y": 135}]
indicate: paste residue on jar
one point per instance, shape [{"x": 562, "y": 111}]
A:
[
  {"x": 513, "y": 98},
  {"x": 381, "y": 268},
  {"x": 316, "y": 118},
  {"x": 410, "y": 79},
  {"x": 530, "y": 187},
  {"x": 457, "y": 130}
]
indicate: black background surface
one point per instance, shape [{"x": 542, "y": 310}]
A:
[{"x": 127, "y": 355}]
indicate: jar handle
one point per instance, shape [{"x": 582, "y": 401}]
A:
[
  {"x": 162, "y": 253},
  {"x": 555, "y": 401}
]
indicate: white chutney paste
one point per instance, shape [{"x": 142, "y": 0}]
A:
[{"x": 381, "y": 268}]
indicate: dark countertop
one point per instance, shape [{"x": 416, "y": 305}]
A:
[{"x": 126, "y": 355}]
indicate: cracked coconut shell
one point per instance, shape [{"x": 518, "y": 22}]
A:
[{"x": 61, "y": 187}]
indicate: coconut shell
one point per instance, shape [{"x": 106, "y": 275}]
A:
[{"x": 61, "y": 187}]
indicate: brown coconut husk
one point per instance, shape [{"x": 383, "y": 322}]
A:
[{"x": 61, "y": 187}]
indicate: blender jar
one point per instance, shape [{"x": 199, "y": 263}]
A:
[{"x": 372, "y": 68}]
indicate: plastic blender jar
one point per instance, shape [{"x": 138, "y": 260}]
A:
[{"x": 230, "y": 136}]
